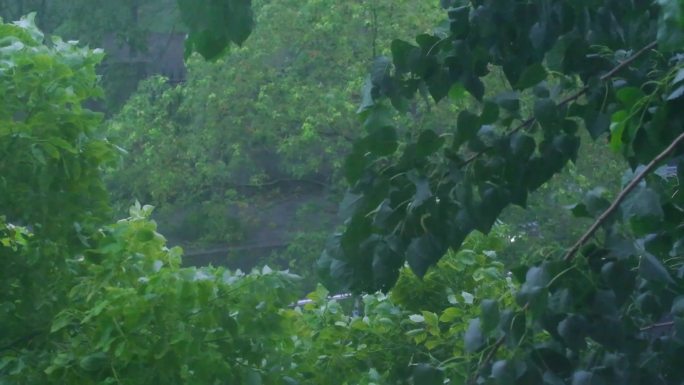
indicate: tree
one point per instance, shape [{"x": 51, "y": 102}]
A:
[
  {"x": 609, "y": 310},
  {"x": 594, "y": 315},
  {"x": 611, "y": 68},
  {"x": 248, "y": 151}
]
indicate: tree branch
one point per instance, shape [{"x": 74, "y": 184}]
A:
[
  {"x": 530, "y": 121},
  {"x": 657, "y": 326},
  {"x": 621, "y": 197}
]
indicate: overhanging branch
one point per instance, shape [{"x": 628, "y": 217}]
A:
[{"x": 621, "y": 197}]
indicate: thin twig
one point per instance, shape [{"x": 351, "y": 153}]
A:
[
  {"x": 488, "y": 358},
  {"x": 621, "y": 197},
  {"x": 658, "y": 325},
  {"x": 530, "y": 121}
]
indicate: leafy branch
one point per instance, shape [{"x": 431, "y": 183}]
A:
[
  {"x": 531, "y": 120},
  {"x": 621, "y": 197}
]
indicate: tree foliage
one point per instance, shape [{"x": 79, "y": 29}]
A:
[
  {"x": 264, "y": 127},
  {"x": 87, "y": 302},
  {"x": 608, "y": 67}
]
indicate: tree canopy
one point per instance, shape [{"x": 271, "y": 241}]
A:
[{"x": 83, "y": 300}]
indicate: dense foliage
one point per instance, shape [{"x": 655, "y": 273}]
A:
[
  {"x": 586, "y": 317},
  {"x": 88, "y": 302},
  {"x": 248, "y": 150},
  {"x": 83, "y": 301}
]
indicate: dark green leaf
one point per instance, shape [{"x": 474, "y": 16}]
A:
[
  {"x": 467, "y": 126},
  {"x": 428, "y": 143},
  {"x": 490, "y": 113},
  {"x": 546, "y": 112},
  {"x": 473, "y": 336},
  {"x": 522, "y": 145},
  {"x": 504, "y": 372},
  {"x": 424, "y": 252},
  {"x": 642, "y": 202},
  {"x": 653, "y": 270},
  {"x": 582, "y": 377},
  {"x": 490, "y": 315},
  {"x": 530, "y": 76},
  {"x": 573, "y": 329},
  {"x": 428, "y": 375},
  {"x": 382, "y": 141}
]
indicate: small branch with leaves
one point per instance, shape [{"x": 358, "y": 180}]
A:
[
  {"x": 531, "y": 120},
  {"x": 621, "y": 197}
]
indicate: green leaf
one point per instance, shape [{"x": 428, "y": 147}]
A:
[
  {"x": 355, "y": 163},
  {"x": 214, "y": 24},
  {"x": 450, "y": 314},
  {"x": 93, "y": 362},
  {"x": 489, "y": 315},
  {"x": 503, "y": 372},
  {"x": 629, "y": 96},
  {"x": 678, "y": 307},
  {"x": 253, "y": 377},
  {"x": 423, "y": 191},
  {"x": 473, "y": 336},
  {"x": 490, "y": 113},
  {"x": 509, "y": 101},
  {"x": 457, "y": 92},
  {"x": 546, "y": 113},
  {"x": 594, "y": 203},
  {"x": 428, "y": 143},
  {"x": 676, "y": 94},
  {"x": 670, "y": 29},
  {"x": 63, "y": 144},
  {"x": 642, "y": 202},
  {"x": 582, "y": 377},
  {"x": 573, "y": 330},
  {"x": 382, "y": 141},
  {"x": 424, "y": 252},
  {"x": 404, "y": 55},
  {"x": 522, "y": 145},
  {"x": 650, "y": 268},
  {"x": 63, "y": 319},
  {"x": 467, "y": 125},
  {"x": 530, "y": 76},
  {"x": 426, "y": 374}
]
